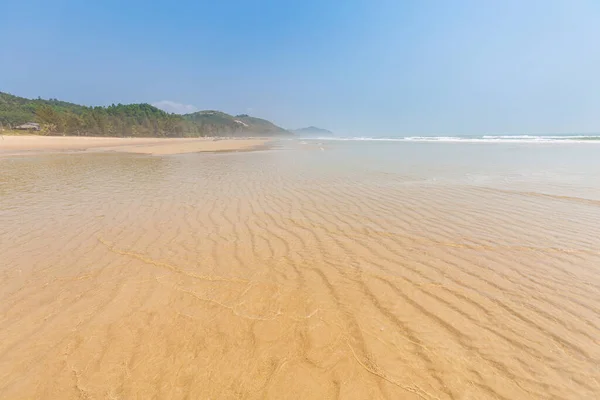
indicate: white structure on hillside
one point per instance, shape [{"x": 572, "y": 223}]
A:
[{"x": 30, "y": 126}]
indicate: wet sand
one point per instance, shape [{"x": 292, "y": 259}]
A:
[
  {"x": 293, "y": 274},
  {"x": 31, "y": 144}
]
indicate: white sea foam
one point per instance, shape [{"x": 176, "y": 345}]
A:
[{"x": 594, "y": 139}]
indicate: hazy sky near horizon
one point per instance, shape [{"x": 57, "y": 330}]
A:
[{"x": 358, "y": 67}]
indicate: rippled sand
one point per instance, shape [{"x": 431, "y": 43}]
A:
[{"x": 282, "y": 274}]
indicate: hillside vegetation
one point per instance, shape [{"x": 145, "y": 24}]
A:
[
  {"x": 142, "y": 120},
  {"x": 220, "y": 123},
  {"x": 313, "y": 131}
]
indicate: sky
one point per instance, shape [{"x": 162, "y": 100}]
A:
[{"x": 357, "y": 67}]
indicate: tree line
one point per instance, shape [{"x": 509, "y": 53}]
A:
[
  {"x": 115, "y": 120},
  {"x": 129, "y": 120},
  {"x": 59, "y": 117}
]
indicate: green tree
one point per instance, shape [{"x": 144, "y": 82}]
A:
[
  {"x": 52, "y": 119},
  {"x": 73, "y": 124}
]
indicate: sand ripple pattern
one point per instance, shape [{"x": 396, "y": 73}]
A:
[{"x": 284, "y": 274}]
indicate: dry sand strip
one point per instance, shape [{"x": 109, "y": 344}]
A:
[{"x": 25, "y": 145}]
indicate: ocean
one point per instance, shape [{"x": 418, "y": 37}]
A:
[{"x": 573, "y": 138}]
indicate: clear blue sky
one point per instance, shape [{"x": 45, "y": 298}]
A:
[{"x": 371, "y": 67}]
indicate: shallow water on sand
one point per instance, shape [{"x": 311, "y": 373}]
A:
[{"x": 316, "y": 270}]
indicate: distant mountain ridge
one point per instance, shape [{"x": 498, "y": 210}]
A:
[
  {"x": 313, "y": 131},
  {"x": 143, "y": 120}
]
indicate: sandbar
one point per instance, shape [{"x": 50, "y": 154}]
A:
[{"x": 31, "y": 144}]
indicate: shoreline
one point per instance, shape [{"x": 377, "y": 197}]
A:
[{"x": 24, "y": 145}]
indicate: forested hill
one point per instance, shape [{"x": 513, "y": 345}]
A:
[
  {"x": 59, "y": 117},
  {"x": 312, "y": 131},
  {"x": 221, "y": 123}
]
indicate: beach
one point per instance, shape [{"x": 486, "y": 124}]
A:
[
  {"x": 317, "y": 269},
  {"x": 31, "y": 144}
]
